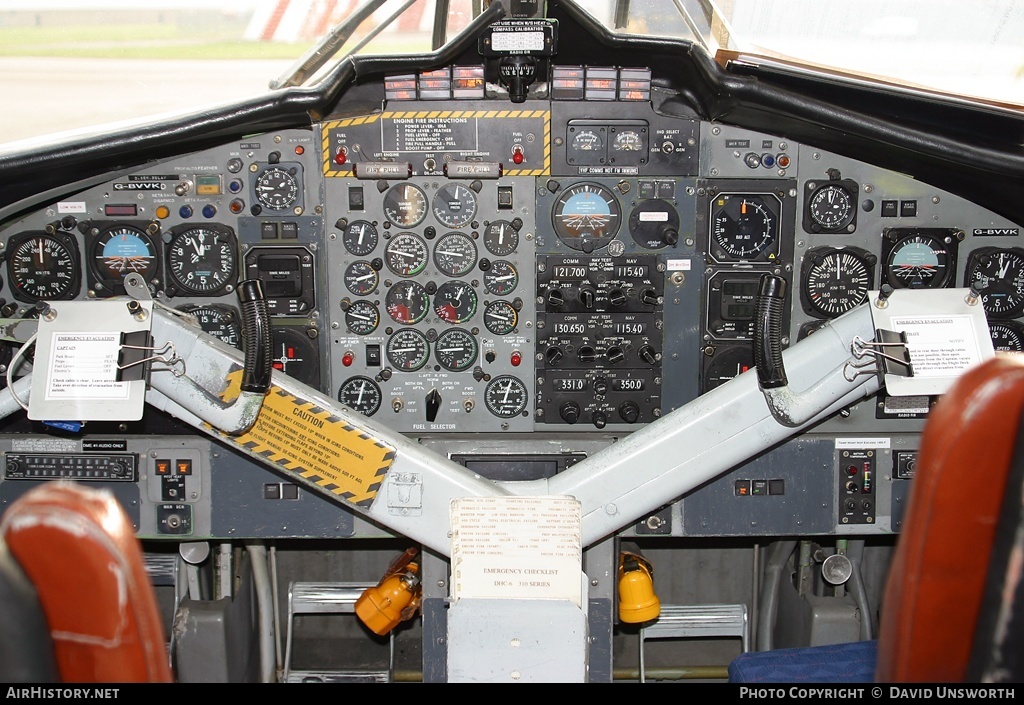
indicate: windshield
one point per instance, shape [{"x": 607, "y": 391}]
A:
[{"x": 74, "y": 65}]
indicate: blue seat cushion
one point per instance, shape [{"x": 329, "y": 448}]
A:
[{"x": 835, "y": 663}]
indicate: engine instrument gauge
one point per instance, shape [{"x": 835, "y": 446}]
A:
[
  {"x": 500, "y": 317},
  {"x": 455, "y": 302},
  {"x": 836, "y": 280},
  {"x": 501, "y": 278},
  {"x": 361, "y": 278},
  {"x": 121, "y": 250},
  {"x": 201, "y": 260},
  {"x": 587, "y": 141},
  {"x": 43, "y": 266},
  {"x": 628, "y": 141},
  {"x": 745, "y": 226},
  {"x": 454, "y": 205},
  {"x": 407, "y": 302},
  {"x": 506, "y": 396},
  {"x": 405, "y": 205},
  {"x": 407, "y": 350},
  {"x": 406, "y": 254},
  {"x": 360, "y": 394},
  {"x": 831, "y": 208},
  {"x": 362, "y": 317},
  {"x": 1007, "y": 336},
  {"x": 276, "y": 188},
  {"x": 455, "y": 254},
  {"x": 998, "y": 274},
  {"x": 455, "y": 349},
  {"x": 359, "y": 238},
  {"x": 586, "y": 216},
  {"x": 918, "y": 259},
  {"x": 219, "y": 320},
  {"x": 501, "y": 238}
]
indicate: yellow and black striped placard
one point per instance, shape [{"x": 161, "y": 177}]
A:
[
  {"x": 542, "y": 131},
  {"x": 326, "y": 452}
]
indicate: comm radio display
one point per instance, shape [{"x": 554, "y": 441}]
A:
[{"x": 567, "y": 384}]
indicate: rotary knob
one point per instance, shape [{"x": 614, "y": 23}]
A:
[
  {"x": 615, "y": 355},
  {"x": 616, "y": 297},
  {"x": 649, "y": 297},
  {"x": 600, "y": 419},
  {"x": 629, "y": 411},
  {"x": 553, "y": 355},
  {"x": 570, "y": 412},
  {"x": 555, "y": 298},
  {"x": 586, "y": 354},
  {"x": 647, "y": 354},
  {"x": 588, "y": 296}
]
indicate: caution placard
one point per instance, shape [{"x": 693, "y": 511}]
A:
[{"x": 315, "y": 444}]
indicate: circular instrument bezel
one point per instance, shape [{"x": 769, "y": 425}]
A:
[
  {"x": 455, "y": 254},
  {"x": 187, "y": 251},
  {"x": 276, "y": 188},
  {"x": 405, "y": 205},
  {"x": 407, "y": 302},
  {"x": 110, "y": 266},
  {"x": 219, "y": 320},
  {"x": 835, "y": 280},
  {"x": 501, "y": 238},
  {"x": 454, "y": 205},
  {"x": 360, "y": 237},
  {"x": 367, "y": 393},
  {"x": 406, "y": 254},
  {"x": 456, "y": 359},
  {"x": 918, "y": 259},
  {"x": 501, "y": 278},
  {"x": 499, "y": 399},
  {"x": 361, "y": 278},
  {"x": 744, "y": 226},
  {"x": 998, "y": 274},
  {"x": 455, "y": 302},
  {"x": 362, "y": 318},
  {"x": 586, "y": 216},
  {"x": 1006, "y": 335},
  {"x": 58, "y": 273},
  {"x": 831, "y": 208},
  {"x": 505, "y": 324},
  {"x": 410, "y": 340}
]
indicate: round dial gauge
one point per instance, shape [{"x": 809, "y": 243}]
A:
[
  {"x": 500, "y": 317},
  {"x": 362, "y": 318},
  {"x": 831, "y": 208},
  {"x": 455, "y": 254},
  {"x": 360, "y": 394},
  {"x": 587, "y": 141},
  {"x": 628, "y": 141},
  {"x": 295, "y": 355},
  {"x": 501, "y": 278},
  {"x": 1007, "y": 336},
  {"x": 586, "y": 217},
  {"x": 455, "y": 302},
  {"x": 405, "y": 205},
  {"x": 42, "y": 266},
  {"x": 454, "y": 205},
  {"x": 999, "y": 275},
  {"x": 406, "y": 254},
  {"x": 408, "y": 350},
  {"x": 361, "y": 278},
  {"x": 501, "y": 238},
  {"x": 726, "y": 365},
  {"x": 276, "y": 188},
  {"x": 123, "y": 250},
  {"x": 201, "y": 260},
  {"x": 218, "y": 320},
  {"x": 407, "y": 302},
  {"x": 359, "y": 238},
  {"x": 918, "y": 261},
  {"x": 455, "y": 349},
  {"x": 654, "y": 224},
  {"x": 744, "y": 226},
  {"x": 505, "y": 396},
  {"x": 836, "y": 281}
]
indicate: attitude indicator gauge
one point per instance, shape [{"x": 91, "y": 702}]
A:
[
  {"x": 918, "y": 259},
  {"x": 42, "y": 266},
  {"x": 506, "y": 396},
  {"x": 121, "y": 250},
  {"x": 745, "y": 226},
  {"x": 454, "y": 205},
  {"x": 202, "y": 260},
  {"x": 586, "y": 216},
  {"x": 998, "y": 274},
  {"x": 405, "y": 205},
  {"x": 836, "y": 280},
  {"x": 360, "y": 394}
]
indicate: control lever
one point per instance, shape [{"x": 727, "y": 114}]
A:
[{"x": 259, "y": 341}]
